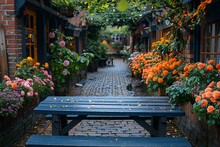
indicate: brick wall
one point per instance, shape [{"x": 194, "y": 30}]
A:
[
  {"x": 198, "y": 132},
  {"x": 188, "y": 55},
  {"x": 13, "y": 34},
  {"x": 13, "y": 129}
]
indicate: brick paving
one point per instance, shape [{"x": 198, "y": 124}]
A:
[{"x": 108, "y": 81}]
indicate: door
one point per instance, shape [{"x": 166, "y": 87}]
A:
[
  {"x": 30, "y": 34},
  {"x": 3, "y": 55}
]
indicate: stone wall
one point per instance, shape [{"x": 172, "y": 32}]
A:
[
  {"x": 13, "y": 33},
  {"x": 198, "y": 132}
]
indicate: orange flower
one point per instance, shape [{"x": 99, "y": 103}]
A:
[
  {"x": 210, "y": 109},
  {"x": 208, "y": 89},
  {"x": 211, "y": 84},
  {"x": 204, "y": 103},
  {"x": 14, "y": 85},
  {"x": 160, "y": 80},
  {"x": 174, "y": 72},
  {"x": 218, "y": 66},
  {"x": 172, "y": 67},
  {"x": 201, "y": 65},
  {"x": 179, "y": 23},
  {"x": 165, "y": 72},
  {"x": 154, "y": 79},
  {"x": 218, "y": 84},
  {"x": 204, "y": 95},
  {"x": 208, "y": 94},
  {"x": 216, "y": 94},
  {"x": 46, "y": 65},
  {"x": 208, "y": 1},
  {"x": 198, "y": 98},
  {"x": 18, "y": 65},
  {"x": 29, "y": 59},
  {"x": 209, "y": 67},
  {"x": 37, "y": 64},
  {"x": 211, "y": 62},
  {"x": 186, "y": 68}
]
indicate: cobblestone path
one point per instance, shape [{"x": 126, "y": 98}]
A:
[{"x": 108, "y": 81}]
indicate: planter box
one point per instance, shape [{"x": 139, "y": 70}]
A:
[
  {"x": 198, "y": 132},
  {"x": 13, "y": 128}
]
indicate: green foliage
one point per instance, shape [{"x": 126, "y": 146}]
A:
[
  {"x": 105, "y": 12},
  {"x": 122, "y": 31},
  {"x": 97, "y": 49},
  {"x": 180, "y": 93},
  {"x": 64, "y": 62}
]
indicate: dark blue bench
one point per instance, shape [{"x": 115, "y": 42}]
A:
[{"x": 91, "y": 141}]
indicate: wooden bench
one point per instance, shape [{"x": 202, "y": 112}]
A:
[{"x": 92, "y": 141}]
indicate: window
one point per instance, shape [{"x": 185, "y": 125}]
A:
[
  {"x": 30, "y": 33},
  {"x": 210, "y": 42}
]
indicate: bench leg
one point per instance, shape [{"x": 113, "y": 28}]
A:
[
  {"x": 56, "y": 124},
  {"x": 63, "y": 122},
  {"x": 159, "y": 124}
]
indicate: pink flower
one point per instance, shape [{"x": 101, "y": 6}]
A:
[
  {"x": 60, "y": 54},
  {"x": 51, "y": 44},
  {"x": 51, "y": 88},
  {"x": 51, "y": 35},
  {"x": 30, "y": 94},
  {"x": 49, "y": 76},
  {"x": 22, "y": 93},
  {"x": 62, "y": 43},
  {"x": 7, "y": 78},
  {"x": 36, "y": 93},
  {"x": 30, "y": 80},
  {"x": 66, "y": 63},
  {"x": 64, "y": 73},
  {"x": 30, "y": 89}
]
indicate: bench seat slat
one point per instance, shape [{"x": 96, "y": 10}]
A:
[
  {"x": 94, "y": 106},
  {"x": 108, "y": 102},
  {"x": 92, "y": 141},
  {"x": 104, "y": 111},
  {"x": 112, "y": 98}
]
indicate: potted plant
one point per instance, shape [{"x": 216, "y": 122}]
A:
[
  {"x": 206, "y": 104},
  {"x": 41, "y": 80},
  {"x": 64, "y": 63}
]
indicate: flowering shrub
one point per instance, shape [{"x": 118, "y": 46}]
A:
[
  {"x": 10, "y": 102},
  {"x": 162, "y": 74},
  {"x": 23, "y": 87},
  {"x": 196, "y": 77},
  {"x": 64, "y": 62},
  {"x": 207, "y": 104},
  {"x": 199, "y": 75},
  {"x": 41, "y": 80},
  {"x": 140, "y": 62},
  {"x": 163, "y": 46}
]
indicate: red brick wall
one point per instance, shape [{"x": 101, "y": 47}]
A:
[
  {"x": 13, "y": 33},
  {"x": 198, "y": 132},
  {"x": 188, "y": 54}
]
